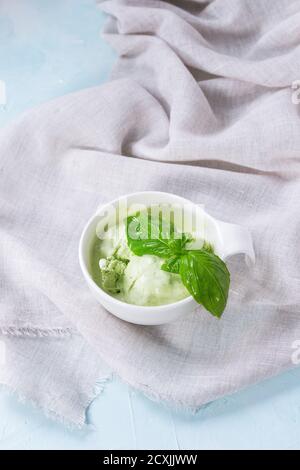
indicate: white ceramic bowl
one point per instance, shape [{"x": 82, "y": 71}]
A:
[{"x": 228, "y": 240}]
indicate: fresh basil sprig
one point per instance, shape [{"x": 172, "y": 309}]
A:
[
  {"x": 149, "y": 234},
  {"x": 172, "y": 264},
  {"x": 203, "y": 273}
]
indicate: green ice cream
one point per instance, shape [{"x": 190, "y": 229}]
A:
[{"x": 133, "y": 279}]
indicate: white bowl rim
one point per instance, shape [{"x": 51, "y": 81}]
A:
[{"x": 105, "y": 295}]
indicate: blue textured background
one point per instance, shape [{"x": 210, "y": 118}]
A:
[{"x": 49, "y": 48}]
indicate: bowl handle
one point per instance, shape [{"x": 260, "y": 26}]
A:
[{"x": 237, "y": 240}]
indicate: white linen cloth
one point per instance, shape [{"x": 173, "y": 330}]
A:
[{"x": 200, "y": 104}]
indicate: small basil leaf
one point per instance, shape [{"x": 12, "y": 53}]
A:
[
  {"x": 207, "y": 279},
  {"x": 145, "y": 238},
  {"x": 151, "y": 235},
  {"x": 172, "y": 265},
  {"x": 208, "y": 247},
  {"x": 178, "y": 243}
]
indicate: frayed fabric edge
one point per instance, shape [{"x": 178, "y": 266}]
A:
[
  {"x": 81, "y": 424},
  {"x": 180, "y": 406},
  {"x": 33, "y": 332},
  {"x": 160, "y": 399}
]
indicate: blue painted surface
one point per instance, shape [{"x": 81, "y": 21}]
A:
[{"x": 49, "y": 48}]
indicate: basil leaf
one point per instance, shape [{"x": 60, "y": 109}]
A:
[
  {"x": 207, "y": 279},
  {"x": 177, "y": 244},
  {"x": 207, "y": 247},
  {"x": 172, "y": 265},
  {"x": 151, "y": 235},
  {"x": 203, "y": 273}
]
